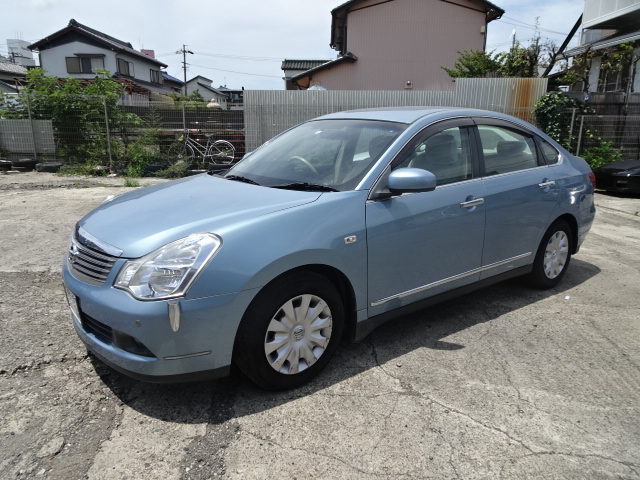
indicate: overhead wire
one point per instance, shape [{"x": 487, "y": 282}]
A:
[{"x": 232, "y": 71}]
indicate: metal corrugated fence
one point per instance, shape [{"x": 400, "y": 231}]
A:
[{"x": 269, "y": 112}]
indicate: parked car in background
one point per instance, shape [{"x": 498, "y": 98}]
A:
[
  {"x": 622, "y": 176},
  {"x": 330, "y": 229}
]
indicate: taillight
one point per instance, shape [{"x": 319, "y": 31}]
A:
[{"x": 592, "y": 177}]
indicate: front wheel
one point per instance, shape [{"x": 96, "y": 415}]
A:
[
  {"x": 290, "y": 331},
  {"x": 222, "y": 151},
  {"x": 553, "y": 256}
]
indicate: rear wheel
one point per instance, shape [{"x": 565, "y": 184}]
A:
[
  {"x": 553, "y": 256},
  {"x": 180, "y": 154},
  {"x": 290, "y": 331}
]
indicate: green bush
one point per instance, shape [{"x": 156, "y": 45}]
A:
[
  {"x": 553, "y": 113},
  {"x": 601, "y": 154}
]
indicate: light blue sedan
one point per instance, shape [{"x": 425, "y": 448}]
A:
[{"x": 328, "y": 230}]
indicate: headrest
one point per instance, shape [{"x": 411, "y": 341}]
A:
[
  {"x": 441, "y": 149},
  {"x": 510, "y": 148}
]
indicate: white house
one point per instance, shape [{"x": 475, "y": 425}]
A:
[
  {"x": 77, "y": 51},
  {"x": 203, "y": 86}
]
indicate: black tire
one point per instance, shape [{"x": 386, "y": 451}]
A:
[
  {"x": 49, "y": 167},
  {"x": 261, "y": 330},
  {"x": 221, "y": 152},
  {"x": 179, "y": 153},
  {"x": 24, "y": 164},
  {"x": 553, "y": 256}
]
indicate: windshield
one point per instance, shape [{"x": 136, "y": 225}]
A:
[{"x": 329, "y": 154}]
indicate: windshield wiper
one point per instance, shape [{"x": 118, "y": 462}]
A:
[
  {"x": 311, "y": 187},
  {"x": 238, "y": 178}
]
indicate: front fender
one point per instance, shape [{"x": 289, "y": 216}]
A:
[{"x": 330, "y": 231}]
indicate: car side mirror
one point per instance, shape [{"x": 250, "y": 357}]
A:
[{"x": 410, "y": 180}]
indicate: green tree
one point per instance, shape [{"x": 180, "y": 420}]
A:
[
  {"x": 79, "y": 110},
  {"x": 519, "y": 61},
  {"x": 474, "y": 64},
  {"x": 577, "y": 70}
]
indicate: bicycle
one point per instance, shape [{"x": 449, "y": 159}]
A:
[{"x": 189, "y": 153}]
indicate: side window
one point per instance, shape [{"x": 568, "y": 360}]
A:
[
  {"x": 125, "y": 68},
  {"x": 506, "y": 150},
  {"x": 549, "y": 153},
  {"x": 446, "y": 154}
]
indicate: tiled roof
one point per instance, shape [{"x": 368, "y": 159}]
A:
[
  {"x": 490, "y": 6},
  {"x": 347, "y": 57},
  {"x": 166, "y": 76},
  {"x": 103, "y": 38},
  {"x": 213, "y": 90},
  {"x": 301, "y": 64},
  {"x": 13, "y": 68},
  {"x": 8, "y": 86}
]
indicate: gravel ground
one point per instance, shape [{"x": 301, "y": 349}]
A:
[{"x": 504, "y": 383}]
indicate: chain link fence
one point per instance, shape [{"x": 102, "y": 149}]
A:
[
  {"x": 97, "y": 130},
  {"x": 580, "y": 133}
]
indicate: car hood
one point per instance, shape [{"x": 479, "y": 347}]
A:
[
  {"x": 620, "y": 166},
  {"x": 142, "y": 220}
]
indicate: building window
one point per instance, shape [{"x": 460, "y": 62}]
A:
[
  {"x": 125, "y": 68},
  {"x": 616, "y": 81},
  {"x": 83, "y": 64},
  {"x": 156, "y": 76}
]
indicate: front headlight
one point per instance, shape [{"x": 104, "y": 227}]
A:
[{"x": 169, "y": 271}]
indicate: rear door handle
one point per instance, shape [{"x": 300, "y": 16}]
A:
[
  {"x": 472, "y": 203},
  {"x": 547, "y": 184}
]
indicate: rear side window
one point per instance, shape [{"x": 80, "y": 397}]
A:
[
  {"x": 506, "y": 150},
  {"x": 549, "y": 153}
]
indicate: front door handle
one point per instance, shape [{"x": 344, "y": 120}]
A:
[{"x": 472, "y": 203}]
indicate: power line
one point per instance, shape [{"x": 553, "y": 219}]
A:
[
  {"x": 232, "y": 71},
  {"x": 241, "y": 57},
  {"x": 531, "y": 26}
]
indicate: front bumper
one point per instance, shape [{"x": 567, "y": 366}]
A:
[{"x": 136, "y": 338}]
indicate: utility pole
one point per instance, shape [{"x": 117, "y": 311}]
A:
[{"x": 184, "y": 52}]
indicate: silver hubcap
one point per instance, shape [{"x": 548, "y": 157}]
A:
[
  {"x": 298, "y": 334},
  {"x": 555, "y": 255}
]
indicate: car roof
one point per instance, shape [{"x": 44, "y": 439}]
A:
[{"x": 410, "y": 114}]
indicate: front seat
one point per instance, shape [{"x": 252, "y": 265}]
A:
[{"x": 440, "y": 157}]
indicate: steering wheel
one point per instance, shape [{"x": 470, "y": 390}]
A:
[{"x": 306, "y": 163}]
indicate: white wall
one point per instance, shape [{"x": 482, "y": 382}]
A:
[{"x": 53, "y": 61}]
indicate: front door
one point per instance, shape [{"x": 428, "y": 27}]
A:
[{"x": 422, "y": 244}]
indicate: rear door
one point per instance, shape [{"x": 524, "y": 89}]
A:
[{"x": 521, "y": 195}]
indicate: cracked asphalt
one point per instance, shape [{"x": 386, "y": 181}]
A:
[{"x": 505, "y": 383}]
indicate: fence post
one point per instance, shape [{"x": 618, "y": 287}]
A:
[
  {"x": 33, "y": 133},
  {"x": 184, "y": 118},
  {"x": 106, "y": 122},
  {"x": 573, "y": 119},
  {"x": 580, "y": 135}
]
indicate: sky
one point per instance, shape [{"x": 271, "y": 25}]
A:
[{"x": 242, "y": 43}]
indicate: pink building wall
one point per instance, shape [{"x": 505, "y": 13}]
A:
[{"x": 405, "y": 41}]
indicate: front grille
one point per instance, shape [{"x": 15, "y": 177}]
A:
[
  {"x": 106, "y": 334},
  {"x": 90, "y": 265},
  {"x": 102, "y": 332}
]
